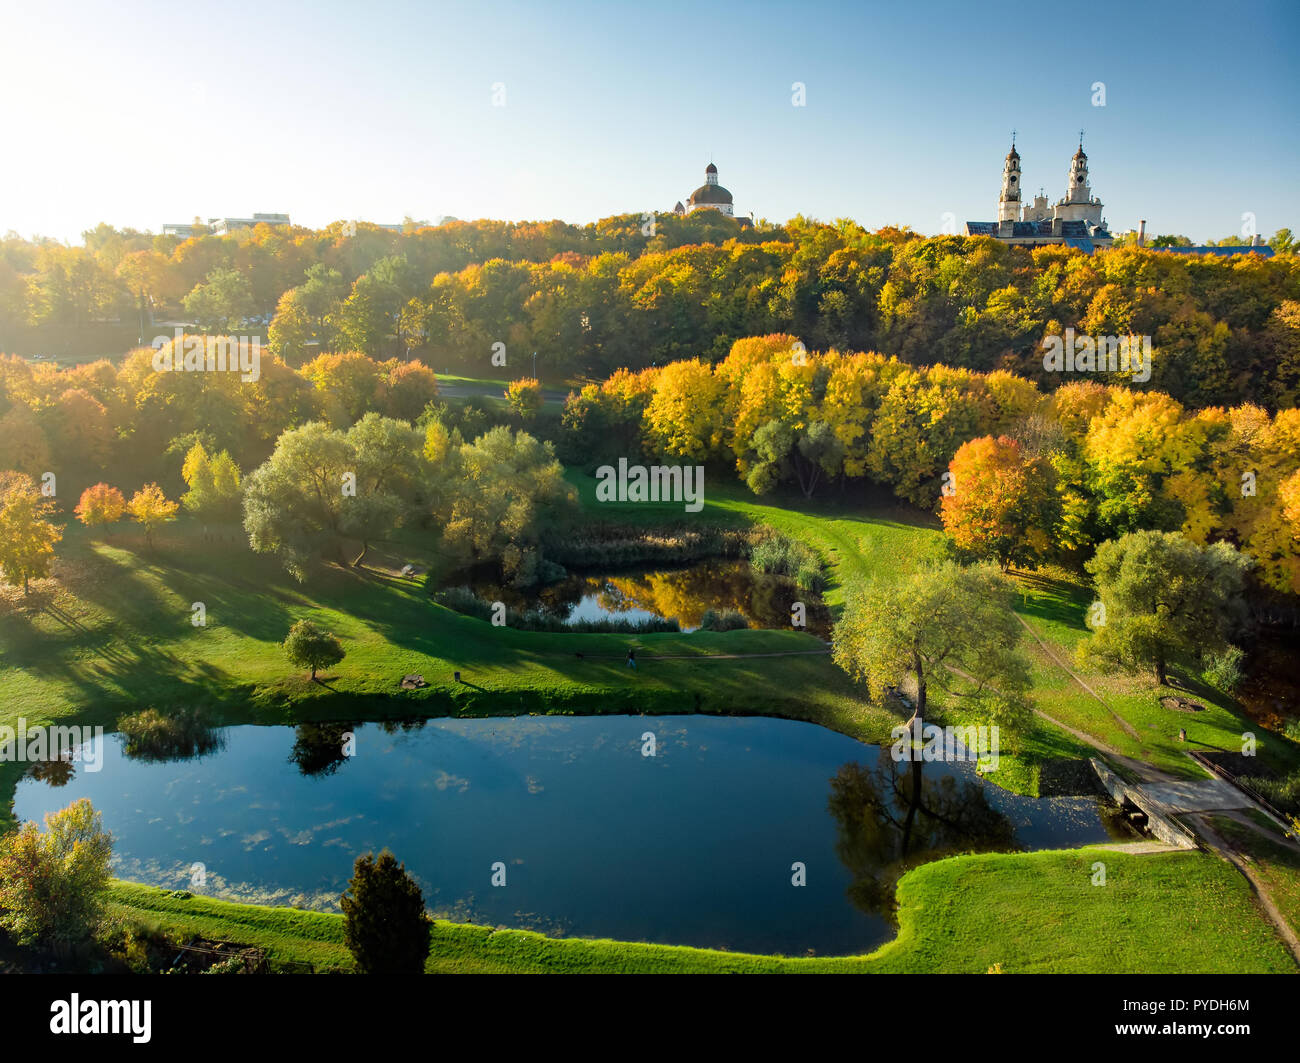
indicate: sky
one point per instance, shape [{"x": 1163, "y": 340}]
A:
[{"x": 140, "y": 113}]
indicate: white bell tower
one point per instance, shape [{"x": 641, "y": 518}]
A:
[
  {"x": 1079, "y": 204},
  {"x": 1077, "y": 190},
  {"x": 1009, "y": 200}
]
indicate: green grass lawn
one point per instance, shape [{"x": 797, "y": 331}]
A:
[
  {"x": 1278, "y": 865},
  {"x": 1035, "y": 912}
]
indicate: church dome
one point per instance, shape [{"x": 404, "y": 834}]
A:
[
  {"x": 710, "y": 168},
  {"x": 710, "y": 194}
]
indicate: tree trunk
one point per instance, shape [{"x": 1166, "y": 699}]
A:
[
  {"x": 919, "y": 668},
  {"x": 365, "y": 549},
  {"x": 915, "y": 802}
]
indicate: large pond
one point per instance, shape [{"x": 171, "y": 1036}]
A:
[
  {"x": 681, "y": 593},
  {"x": 694, "y": 845}
]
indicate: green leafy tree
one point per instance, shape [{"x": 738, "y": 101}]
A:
[
  {"x": 53, "y": 882},
  {"x": 294, "y": 501},
  {"x": 943, "y": 626},
  {"x": 309, "y": 646},
  {"x": 321, "y": 487},
  {"x": 1165, "y": 600},
  {"x": 224, "y": 299},
  {"x": 385, "y": 925},
  {"x": 510, "y": 488}
]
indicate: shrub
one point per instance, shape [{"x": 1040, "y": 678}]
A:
[
  {"x": 1223, "y": 670},
  {"x": 525, "y": 397},
  {"x": 779, "y": 555},
  {"x": 723, "y": 620}
]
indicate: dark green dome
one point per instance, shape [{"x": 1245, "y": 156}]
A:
[{"x": 710, "y": 194}]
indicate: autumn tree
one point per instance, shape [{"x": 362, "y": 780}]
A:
[
  {"x": 23, "y": 442},
  {"x": 151, "y": 509},
  {"x": 999, "y": 505},
  {"x": 54, "y": 883},
  {"x": 525, "y": 398},
  {"x": 406, "y": 389},
  {"x": 348, "y": 385},
  {"x": 684, "y": 418},
  {"x": 27, "y": 533},
  {"x": 213, "y": 481},
  {"x": 100, "y": 504}
]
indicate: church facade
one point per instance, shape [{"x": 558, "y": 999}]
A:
[{"x": 1075, "y": 219}]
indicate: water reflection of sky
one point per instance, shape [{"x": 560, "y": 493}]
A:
[{"x": 691, "y": 846}]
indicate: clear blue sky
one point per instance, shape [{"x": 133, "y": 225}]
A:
[{"x": 142, "y": 112}]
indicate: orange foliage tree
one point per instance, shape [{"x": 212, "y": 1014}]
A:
[
  {"x": 999, "y": 505},
  {"x": 100, "y": 504}
]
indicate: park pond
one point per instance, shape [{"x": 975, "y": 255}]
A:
[
  {"x": 693, "y": 845},
  {"x": 681, "y": 593}
]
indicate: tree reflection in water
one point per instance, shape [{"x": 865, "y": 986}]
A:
[
  {"x": 894, "y": 817},
  {"x": 683, "y": 594},
  {"x": 320, "y": 748}
]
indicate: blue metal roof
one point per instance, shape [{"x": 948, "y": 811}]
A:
[{"x": 1222, "y": 252}]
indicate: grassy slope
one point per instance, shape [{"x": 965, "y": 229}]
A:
[
  {"x": 1276, "y": 864},
  {"x": 1044, "y": 915}
]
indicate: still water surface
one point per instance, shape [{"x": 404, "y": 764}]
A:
[{"x": 691, "y": 846}]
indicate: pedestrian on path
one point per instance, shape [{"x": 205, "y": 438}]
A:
[{"x": 631, "y": 659}]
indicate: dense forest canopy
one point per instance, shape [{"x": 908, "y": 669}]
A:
[
  {"x": 1025, "y": 475},
  {"x": 635, "y": 290}
]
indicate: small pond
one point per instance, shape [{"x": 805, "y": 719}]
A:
[
  {"x": 681, "y": 593},
  {"x": 693, "y": 845}
]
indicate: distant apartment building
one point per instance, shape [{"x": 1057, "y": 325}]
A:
[{"x": 221, "y": 226}]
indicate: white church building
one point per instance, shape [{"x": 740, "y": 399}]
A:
[
  {"x": 710, "y": 196},
  {"x": 1075, "y": 219}
]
